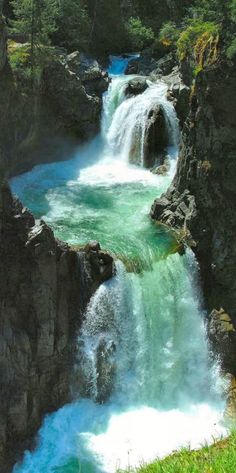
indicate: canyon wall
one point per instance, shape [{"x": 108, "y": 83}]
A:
[
  {"x": 200, "y": 204},
  {"x": 44, "y": 289}
]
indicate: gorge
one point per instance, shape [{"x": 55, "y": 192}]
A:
[
  {"x": 144, "y": 330},
  {"x": 117, "y": 227}
]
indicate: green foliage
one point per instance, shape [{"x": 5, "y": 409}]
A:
[
  {"x": 35, "y": 19},
  {"x": 218, "y": 458},
  {"x": 73, "y": 25},
  {"x": 19, "y": 57},
  {"x": 141, "y": 36},
  {"x": 189, "y": 38},
  {"x": 169, "y": 34},
  {"x": 231, "y": 50}
]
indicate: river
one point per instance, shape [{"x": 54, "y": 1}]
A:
[{"x": 142, "y": 348}]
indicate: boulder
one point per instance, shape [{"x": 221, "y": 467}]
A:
[
  {"x": 135, "y": 87},
  {"x": 94, "y": 78},
  {"x": 66, "y": 108},
  {"x": 132, "y": 67},
  {"x": 163, "y": 169},
  {"x": 178, "y": 93},
  {"x": 156, "y": 137},
  {"x": 222, "y": 335}
]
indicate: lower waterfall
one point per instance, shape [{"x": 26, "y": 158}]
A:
[{"x": 142, "y": 350}]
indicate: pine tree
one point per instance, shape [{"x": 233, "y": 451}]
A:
[{"x": 36, "y": 20}]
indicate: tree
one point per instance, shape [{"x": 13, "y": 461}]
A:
[
  {"x": 74, "y": 25},
  {"x": 141, "y": 36},
  {"x": 36, "y": 20}
]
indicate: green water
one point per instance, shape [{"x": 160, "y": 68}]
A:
[{"x": 113, "y": 210}]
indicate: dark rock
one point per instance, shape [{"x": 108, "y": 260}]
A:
[
  {"x": 66, "y": 108},
  {"x": 143, "y": 65},
  {"x": 44, "y": 290},
  {"x": 156, "y": 138},
  {"x": 205, "y": 182},
  {"x": 165, "y": 65},
  {"x": 3, "y": 42},
  {"x": 178, "y": 93},
  {"x": 163, "y": 169},
  {"x": 93, "y": 77},
  {"x": 135, "y": 87},
  {"x": 105, "y": 368},
  {"x": 132, "y": 67},
  {"x": 222, "y": 335}
]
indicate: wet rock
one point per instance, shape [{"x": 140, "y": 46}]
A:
[
  {"x": 230, "y": 411},
  {"x": 66, "y": 108},
  {"x": 178, "y": 93},
  {"x": 94, "y": 78},
  {"x": 105, "y": 368},
  {"x": 156, "y": 138},
  {"x": 132, "y": 67},
  {"x": 165, "y": 65},
  {"x": 136, "y": 87},
  {"x": 222, "y": 335},
  {"x": 163, "y": 169},
  {"x": 143, "y": 65}
]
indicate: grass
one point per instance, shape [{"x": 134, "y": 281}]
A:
[{"x": 217, "y": 458}]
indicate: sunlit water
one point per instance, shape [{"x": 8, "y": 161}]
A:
[{"x": 166, "y": 393}]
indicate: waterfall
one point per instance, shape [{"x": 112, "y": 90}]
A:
[
  {"x": 125, "y": 121},
  {"x": 144, "y": 381}
]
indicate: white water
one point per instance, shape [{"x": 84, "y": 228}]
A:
[{"x": 166, "y": 392}]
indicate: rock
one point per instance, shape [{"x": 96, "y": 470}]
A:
[
  {"x": 222, "y": 335},
  {"x": 105, "y": 368},
  {"x": 44, "y": 289},
  {"x": 165, "y": 65},
  {"x": 178, "y": 93},
  {"x": 132, "y": 67},
  {"x": 143, "y": 65},
  {"x": 163, "y": 169},
  {"x": 230, "y": 410},
  {"x": 156, "y": 138},
  {"x": 205, "y": 182},
  {"x": 135, "y": 87},
  {"x": 93, "y": 77},
  {"x": 64, "y": 97}
]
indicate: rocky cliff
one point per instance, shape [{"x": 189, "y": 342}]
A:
[
  {"x": 44, "y": 289},
  {"x": 201, "y": 201},
  {"x": 63, "y": 112}
]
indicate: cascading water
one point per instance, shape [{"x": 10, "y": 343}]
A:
[{"x": 142, "y": 350}]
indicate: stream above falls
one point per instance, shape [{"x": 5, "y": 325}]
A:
[{"x": 142, "y": 350}]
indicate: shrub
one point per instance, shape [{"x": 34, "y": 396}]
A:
[
  {"x": 169, "y": 34},
  {"x": 199, "y": 42},
  {"x": 140, "y": 35}
]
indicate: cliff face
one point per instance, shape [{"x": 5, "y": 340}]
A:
[
  {"x": 44, "y": 289},
  {"x": 201, "y": 201},
  {"x": 64, "y": 111}
]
